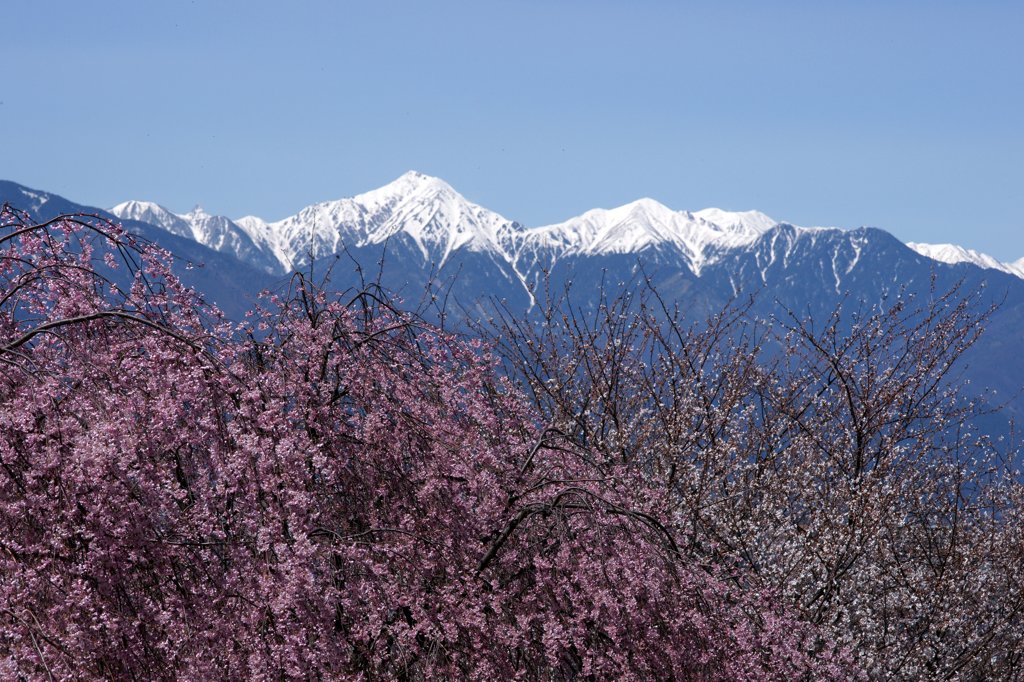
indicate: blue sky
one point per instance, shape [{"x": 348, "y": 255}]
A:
[{"x": 902, "y": 115}]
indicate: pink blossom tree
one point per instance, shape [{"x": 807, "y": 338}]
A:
[{"x": 331, "y": 490}]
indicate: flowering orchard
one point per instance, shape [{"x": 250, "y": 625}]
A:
[{"x": 331, "y": 490}]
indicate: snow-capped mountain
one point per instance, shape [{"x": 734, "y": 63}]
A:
[
  {"x": 428, "y": 214},
  {"x": 644, "y": 225},
  {"x": 436, "y": 218},
  {"x": 438, "y": 221},
  {"x": 155, "y": 214},
  {"x": 215, "y": 232},
  {"x": 424, "y": 209},
  {"x": 452, "y": 258},
  {"x": 952, "y": 254},
  {"x": 417, "y": 222}
]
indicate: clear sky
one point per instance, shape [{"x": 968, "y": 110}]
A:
[{"x": 903, "y": 115}]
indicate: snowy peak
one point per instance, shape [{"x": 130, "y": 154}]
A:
[
  {"x": 409, "y": 185},
  {"x": 216, "y": 232},
  {"x": 644, "y": 224},
  {"x": 952, "y": 254},
  {"x": 154, "y": 214},
  {"x": 625, "y": 229},
  {"x": 429, "y": 210},
  {"x": 426, "y": 210},
  {"x": 741, "y": 222},
  {"x": 208, "y": 229}
]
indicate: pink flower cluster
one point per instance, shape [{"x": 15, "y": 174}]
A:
[{"x": 333, "y": 490}]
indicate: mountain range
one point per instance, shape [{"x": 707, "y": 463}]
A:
[
  {"x": 440, "y": 222},
  {"x": 425, "y": 241}
]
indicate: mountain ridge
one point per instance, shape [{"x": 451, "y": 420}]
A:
[
  {"x": 450, "y": 259},
  {"x": 439, "y": 222}
]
